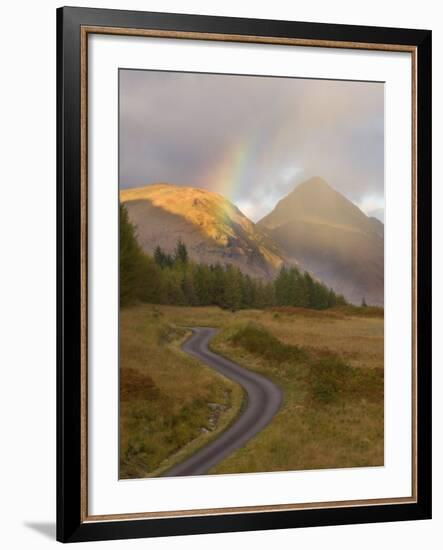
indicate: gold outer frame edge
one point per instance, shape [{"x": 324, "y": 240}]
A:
[{"x": 84, "y": 32}]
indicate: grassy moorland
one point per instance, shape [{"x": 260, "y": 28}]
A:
[
  {"x": 329, "y": 364},
  {"x": 331, "y": 371},
  {"x": 169, "y": 403}
]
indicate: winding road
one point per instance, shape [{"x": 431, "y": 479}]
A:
[{"x": 264, "y": 399}]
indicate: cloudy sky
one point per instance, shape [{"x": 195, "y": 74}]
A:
[{"x": 252, "y": 139}]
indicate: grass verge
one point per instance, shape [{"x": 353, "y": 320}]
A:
[
  {"x": 332, "y": 416},
  {"x": 329, "y": 365},
  {"x": 170, "y": 404}
]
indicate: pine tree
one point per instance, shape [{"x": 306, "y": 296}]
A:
[
  {"x": 175, "y": 279},
  {"x": 159, "y": 256},
  {"x": 218, "y": 282},
  {"x": 232, "y": 295},
  {"x": 281, "y": 286},
  {"x": 181, "y": 252},
  {"x": 291, "y": 287},
  {"x": 310, "y": 290},
  {"x": 322, "y": 296},
  {"x": 140, "y": 277},
  {"x": 173, "y": 291},
  {"x": 266, "y": 295},
  {"x": 202, "y": 285},
  {"x": 162, "y": 259},
  {"x": 248, "y": 292},
  {"x": 150, "y": 287},
  {"x": 130, "y": 255},
  {"x": 332, "y": 298},
  {"x": 189, "y": 288},
  {"x": 301, "y": 296}
]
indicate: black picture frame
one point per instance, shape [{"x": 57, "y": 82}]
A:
[{"x": 71, "y": 524}]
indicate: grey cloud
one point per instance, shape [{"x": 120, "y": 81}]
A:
[{"x": 179, "y": 127}]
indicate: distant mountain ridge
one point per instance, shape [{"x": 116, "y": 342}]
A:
[
  {"x": 213, "y": 229},
  {"x": 331, "y": 238},
  {"x": 314, "y": 227}
]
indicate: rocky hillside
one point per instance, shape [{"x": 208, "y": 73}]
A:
[{"x": 213, "y": 229}]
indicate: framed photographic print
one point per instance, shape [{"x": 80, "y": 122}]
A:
[{"x": 244, "y": 274}]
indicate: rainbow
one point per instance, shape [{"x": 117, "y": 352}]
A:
[
  {"x": 230, "y": 174},
  {"x": 240, "y": 160},
  {"x": 233, "y": 172}
]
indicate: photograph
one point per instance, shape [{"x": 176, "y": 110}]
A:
[
  {"x": 251, "y": 273},
  {"x": 217, "y": 283},
  {"x": 243, "y": 274}
]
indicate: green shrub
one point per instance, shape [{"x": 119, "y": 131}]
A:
[
  {"x": 257, "y": 340},
  {"x": 327, "y": 379},
  {"x": 330, "y": 379},
  {"x": 168, "y": 333}
]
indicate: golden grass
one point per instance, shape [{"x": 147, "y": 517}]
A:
[
  {"x": 300, "y": 439},
  {"x": 357, "y": 339},
  {"x": 164, "y": 394},
  {"x": 306, "y": 434},
  {"x": 353, "y": 337},
  {"x": 310, "y": 432}
]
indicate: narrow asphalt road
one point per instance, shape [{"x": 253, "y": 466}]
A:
[{"x": 264, "y": 399}]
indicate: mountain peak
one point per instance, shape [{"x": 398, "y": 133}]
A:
[
  {"x": 332, "y": 238},
  {"x": 316, "y": 201},
  {"x": 316, "y": 182},
  {"x": 313, "y": 188}
]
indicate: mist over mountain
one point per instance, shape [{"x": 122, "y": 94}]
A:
[{"x": 331, "y": 238}]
